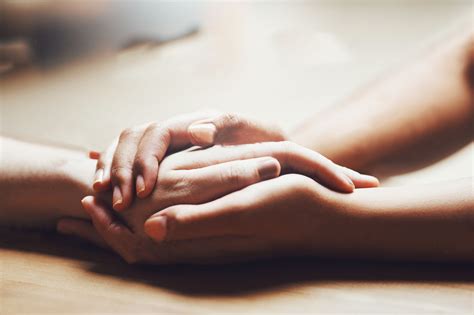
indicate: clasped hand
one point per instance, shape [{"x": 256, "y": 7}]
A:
[{"x": 250, "y": 195}]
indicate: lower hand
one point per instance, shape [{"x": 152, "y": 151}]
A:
[{"x": 288, "y": 215}]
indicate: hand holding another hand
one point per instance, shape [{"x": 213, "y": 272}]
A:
[
  {"x": 219, "y": 179},
  {"x": 288, "y": 215},
  {"x": 130, "y": 164}
]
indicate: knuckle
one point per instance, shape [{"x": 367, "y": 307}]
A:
[
  {"x": 173, "y": 219},
  {"x": 142, "y": 163},
  {"x": 112, "y": 229},
  {"x": 154, "y": 126},
  {"x": 126, "y": 133},
  {"x": 178, "y": 187},
  {"x": 303, "y": 186},
  {"x": 232, "y": 120},
  {"x": 121, "y": 173},
  {"x": 234, "y": 175},
  {"x": 158, "y": 132},
  {"x": 129, "y": 133}
]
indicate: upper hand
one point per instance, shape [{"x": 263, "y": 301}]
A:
[{"x": 131, "y": 162}]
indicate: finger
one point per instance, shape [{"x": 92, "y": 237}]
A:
[
  {"x": 361, "y": 180},
  {"x": 293, "y": 158},
  {"x": 151, "y": 150},
  {"x": 232, "y": 129},
  {"x": 94, "y": 155},
  {"x": 214, "y": 181},
  {"x": 114, "y": 233},
  {"x": 222, "y": 217},
  {"x": 82, "y": 229},
  {"x": 104, "y": 164},
  {"x": 249, "y": 212},
  {"x": 157, "y": 140},
  {"x": 121, "y": 174}
]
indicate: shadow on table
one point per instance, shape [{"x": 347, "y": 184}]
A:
[{"x": 233, "y": 279}]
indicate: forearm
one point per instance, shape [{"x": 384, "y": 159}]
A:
[
  {"x": 410, "y": 119},
  {"x": 39, "y": 184},
  {"x": 427, "y": 223}
]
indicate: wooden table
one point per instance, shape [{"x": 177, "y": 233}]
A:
[{"x": 277, "y": 61}]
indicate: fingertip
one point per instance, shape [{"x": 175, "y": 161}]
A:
[
  {"x": 348, "y": 186},
  {"x": 155, "y": 228},
  {"x": 99, "y": 215},
  {"x": 117, "y": 199},
  {"x": 141, "y": 186},
  {"x": 370, "y": 181},
  {"x": 87, "y": 200},
  {"x": 87, "y": 204},
  {"x": 147, "y": 174},
  {"x": 202, "y": 134},
  {"x": 375, "y": 180},
  {"x": 94, "y": 155},
  {"x": 269, "y": 168},
  {"x": 98, "y": 180}
]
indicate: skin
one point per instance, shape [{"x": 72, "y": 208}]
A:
[
  {"x": 410, "y": 112},
  {"x": 52, "y": 180},
  {"x": 407, "y": 119},
  {"x": 130, "y": 164},
  {"x": 197, "y": 230},
  {"x": 293, "y": 215},
  {"x": 380, "y": 130}
]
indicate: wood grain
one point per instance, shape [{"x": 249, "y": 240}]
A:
[{"x": 45, "y": 273}]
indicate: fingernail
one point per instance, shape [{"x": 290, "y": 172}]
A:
[
  {"x": 203, "y": 133},
  {"x": 155, "y": 228},
  {"x": 94, "y": 155},
  {"x": 268, "y": 168},
  {"x": 349, "y": 182},
  {"x": 98, "y": 177},
  {"x": 117, "y": 198},
  {"x": 374, "y": 180},
  {"x": 84, "y": 203},
  {"x": 140, "y": 186}
]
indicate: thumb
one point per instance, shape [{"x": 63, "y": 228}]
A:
[
  {"x": 221, "y": 217},
  {"x": 232, "y": 129}
]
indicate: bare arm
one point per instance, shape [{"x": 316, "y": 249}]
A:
[
  {"x": 425, "y": 222},
  {"x": 291, "y": 215},
  {"x": 405, "y": 121},
  {"x": 39, "y": 184}
]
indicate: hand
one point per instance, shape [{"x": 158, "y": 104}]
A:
[
  {"x": 289, "y": 215},
  {"x": 131, "y": 163},
  {"x": 195, "y": 177}
]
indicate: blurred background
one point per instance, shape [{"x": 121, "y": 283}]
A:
[{"x": 76, "y": 73}]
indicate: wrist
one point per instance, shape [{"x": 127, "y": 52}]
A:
[
  {"x": 79, "y": 174},
  {"x": 75, "y": 177},
  {"x": 426, "y": 223}
]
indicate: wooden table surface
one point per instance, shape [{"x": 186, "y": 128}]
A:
[{"x": 278, "y": 61}]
